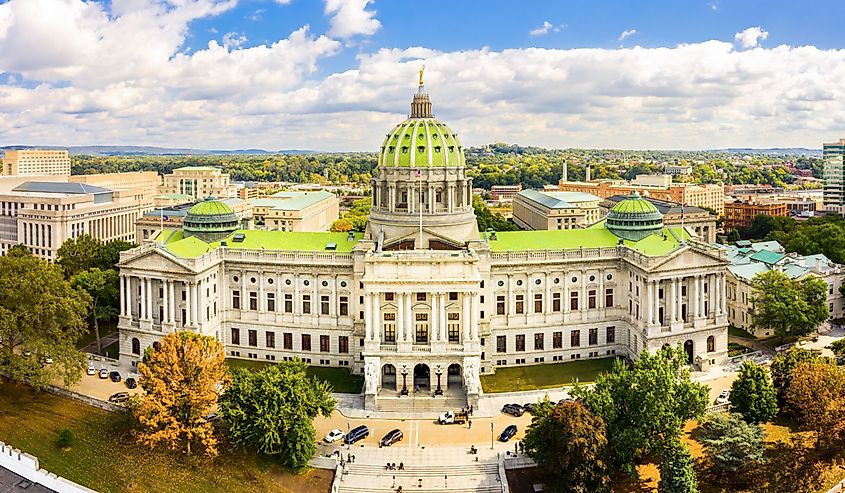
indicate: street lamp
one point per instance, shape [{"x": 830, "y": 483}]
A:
[
  {"x": 439, "y": 390},
  {"x": 404, "y": 380},
  {"x": 491, "y": 435}
]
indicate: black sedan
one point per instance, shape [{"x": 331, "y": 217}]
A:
[
  {"x": 131, "y": 383},
  {"x": 513, "y": 410},
  {"x": 507, "y": 433},
  {"x": 119, "y": 397},
  {"x": 529, "y": 407},
  {"x": 391, "y": 438},
  {"x": 115, "y": 376}
]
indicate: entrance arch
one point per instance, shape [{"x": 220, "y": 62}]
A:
[
  {"x": 422, "y": 377},
  {"x": 388, "y": 377},
  {"x": 688, "y": 349},
  {"x": 454, "y": 379}
]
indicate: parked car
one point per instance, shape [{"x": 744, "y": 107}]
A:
[
  {"x": 358, "y": 433},
  {"x": 104, "y": 373},
  {"x": 507, "y": 433},
  {"x": 528, "y": 408},
  {"x": 724, "y": 397},
  {"x": 131, "y": 383},
  {"x": 115, "y": 376},
  {"x": 392, "y": 437},
  {"x": 333, "y": 436},
  {"x": 119, "y": 397},
  {"x": 91, "y": 370},
  {"x": 453, "y": 418},
  {"x": 513, "y": 410}
]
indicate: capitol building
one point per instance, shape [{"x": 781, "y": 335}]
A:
[{"x": 422, "y": 303}]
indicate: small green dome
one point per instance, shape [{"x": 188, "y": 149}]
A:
[
  {"x": 210, "y": 207},
  {"x": 634, "y": 218},
  {"x": 210, "y": 220}
]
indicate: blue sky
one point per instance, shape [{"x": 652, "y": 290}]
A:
[{"x": 336, "y": 74}]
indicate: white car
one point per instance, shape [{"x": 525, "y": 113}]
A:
[
  {"x": 724, "y": 397},
  {"x": 91, "y": 370},
  {"x": 333, "y": 436}
]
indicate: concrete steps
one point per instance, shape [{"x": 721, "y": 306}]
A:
[{"x": 454, "y": 478}]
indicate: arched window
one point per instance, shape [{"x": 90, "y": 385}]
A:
[
  {"x": 711, "y": 344},
  {"x": 136, "y": 346}
]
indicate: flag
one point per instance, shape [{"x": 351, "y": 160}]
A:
[
  {"x": 419, "y": 174},
  {"x": 165, "y": 218}
]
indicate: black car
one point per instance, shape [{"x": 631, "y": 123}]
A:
[
  {"x": 119, "y": 397},
  {"x": 115, "y": 376},
  {"x": 513, "y": 410},
  {"x": 391, "y": 438},
  {"x": 131, "y": 383},
  {"x": 529, "y": 408},
  {"x": 507, "y": 433},
  {"x": 358, "y": 433}
]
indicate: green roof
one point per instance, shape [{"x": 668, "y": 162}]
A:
[
  {"x": 634, "y": 204},
  {"x": 210, "y": 207},
  {"x": 768, "y": 257},
  {"x": 595, "y": 237},
  {"x": 421, "y": 142},
  {"x": 261, "y": 240}
]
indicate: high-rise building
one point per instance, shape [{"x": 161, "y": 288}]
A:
[
  {"x": 834, "y": 176},
  {"x": 35, "y": 162}
]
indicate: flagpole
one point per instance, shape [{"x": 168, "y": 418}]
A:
[{"x": 419, "y": 181}]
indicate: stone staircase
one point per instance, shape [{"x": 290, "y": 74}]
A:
[
  {"x": 410, "y": 404},
  {"x": 455, "y": 478}
]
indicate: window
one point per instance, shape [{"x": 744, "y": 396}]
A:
[
  {"x": 555, "y": 302},
  {"x": 253, "y": 300},
  {"x": 608, "y": 298},
  {"x": 236, "y": 300},
  {"x": 573, "y": 300},
  {"x": 306, "y": 303},
  {"x": 324, "y": 305},
  {"x": 453, "y": 296},
  {"x": 324, "y": 344},
  {"x": 575, "y": 338},
  {"x": 271, "y": 302},
  {"x": 500, "y": 305},
  {"x": 593, "y": 337},
  {"x": 501, "y": 344},
  {"x": 557, "y": 340},
  {"x": 420, "y": 296},
  {"x": 538, "y": 303},
  {"x": 591, "y": 299},
  {"x": 270, "y": 339},
  {"x": 253, "y": 337},
  {"x": 611, "y": 335},
  {"x": 520, "y": 304},
  {"x": 236, "y": 336},
  {"x": 344, "y": 306},
  {"x": 388, "y": 296},
  {"x": 538, "y": 342},
  {"x": 711, "y": 344},
  {"x": 288, "y": 303},
  {"x": 343, "y": 344},
  {"x": 520, "y": 342},
  {"x": 287, "y": 340},
  {"x": 306, "y": 342},
  {"x": 136, "y": 346}
]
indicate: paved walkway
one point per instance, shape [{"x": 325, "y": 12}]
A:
[{"x": 105, "y": 341}]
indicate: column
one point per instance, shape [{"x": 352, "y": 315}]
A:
[
  {"x": 669, "y": 302},
  {"x": 409, "y": 318},
  {"x": 333, "y": 301},
  {"x": 600, "y": 294},
  {"x": 547, "y": 301},
  {"x": 694, "y": 297},
  {"x": 412, "y": 196},
  {"x": 188, "y": 302},
  {"x": 297, "y": 299},
  {"x": 376, "y": 309},
  {"x": 195, "y": 302},
  {"x": 149, "y": 298},
  {"x": 142, "y": 311},
  {"x": 649, "y": 304},
  {"x": 400, "y": 317},
  {"x": 280, "y": 302},
  {"x": 261, "y": 306},
  {"x": 582, "y": 301},
  {"x": 244, "y": 294},
  {"x": 511, "y": 298},
  {"x": 474, "y": 318},
  {"x": 718, "y": 294},
  {"x": 122, "y": 295},
  {"x": 435, "y": 317},
  {"x": 391, "y": 191},
  {"x": 680, "y": 299},
  {"x": 368, "y": 317},
  {"x": 450, "y": 189},
  {"x": 431, "y": 199},
  {"x": 444, "y": 336},
  {"x": 172, "y": 301},
  {"x": 201, "y": 302},
  {"x": 466, "y": 316},
  {"x": 463, "y": 200},
  {"x": 723, "y": 296},
  {"x": 165, "y": 306},
  {"x": 657, "y": 302},
  {"x": 315, "y": 298}
]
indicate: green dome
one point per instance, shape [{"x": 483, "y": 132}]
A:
[
  {"x": 421, "y": 142},
  {"x": 634, "y": 218},
  {"x": 210, "y": 207},
  {"x": 210, "y": 220}
]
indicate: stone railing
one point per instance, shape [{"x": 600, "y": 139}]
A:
[
  {"x": 318, "y": 258},
  {"x": 27, "y": 466},
  {"x": 554, "y": 255},
  {"x": 426, "y": 255}
]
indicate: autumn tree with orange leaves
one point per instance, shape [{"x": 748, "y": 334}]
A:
[
  {"x": 181, "y": 375},
  {"x": 816, "y": 398}
]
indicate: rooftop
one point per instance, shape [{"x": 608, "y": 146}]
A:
[
  {"x": 664, "y": 206},
  {"x": 558, "y": 200},
  {"x": 288, "y": 241},
  {"x": 749, "y": 259},
  {"x": 59, "y": 187},
  {"x": 197, "y": 168},
  {"x": 291, "y": 201}
]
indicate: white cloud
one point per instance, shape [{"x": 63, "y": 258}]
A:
[
  {"x": 233, "y": 40},
  {"x": 627, "y": 33},
  {"x": 283, "y": 2},
  {"x": 546, "y": 28},
  {"x": 350, "y": 18},
  {"x": 714, "y": 5},
  {"x": 751, "y": 37}
]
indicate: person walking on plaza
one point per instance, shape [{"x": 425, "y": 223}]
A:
[{"x": 469, "y": 423}]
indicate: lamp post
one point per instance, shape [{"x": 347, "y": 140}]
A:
[
  {"x": 404, "y": 380},
  {"x": 438, "y": 372},
  {"x": 491, "y": 435}
]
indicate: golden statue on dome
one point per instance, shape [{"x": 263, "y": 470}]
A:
[{"x": 421, "y": 74}]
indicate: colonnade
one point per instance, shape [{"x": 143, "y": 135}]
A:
[
  {"x": 437, "y": 319},
  {"x": 194, "y": 303},
  {"x": 457, "y": 195},
  {"x": 700, "y": 302}
]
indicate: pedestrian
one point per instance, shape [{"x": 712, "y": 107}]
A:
[
  {"x": 515, "y": 445},
  {"x": 353, "y": 458},
  {"x": 470, "y": 424},
  {"x": 470, "y": 409},
  {"x": 348, "y": 457},
  {"x": 521, "y": 447}
]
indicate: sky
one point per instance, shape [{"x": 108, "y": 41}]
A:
[{"x": 336, "y": 75}]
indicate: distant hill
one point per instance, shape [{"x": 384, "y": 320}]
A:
[
  {"x": 155, "y": 151},
  {"x": 781, "y": 151}
]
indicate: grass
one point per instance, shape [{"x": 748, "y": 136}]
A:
[
  {"x": 544, "y": 376},
  {"x": 735, "y": 349},
  {"x": 341, "y": 379},
  {"x": 105, "y": 457},
  {"x": 737, "y": 332},
  {"x": 106, "y": 327}
]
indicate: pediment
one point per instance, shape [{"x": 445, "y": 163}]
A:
[
  {"x": 414, "y": 235},
  {"x": 155, "y": 259},
  {"x": 687, "y": 258}
]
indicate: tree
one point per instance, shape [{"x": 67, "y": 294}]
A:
[
  {"x": 79, "y": 254},
  {"x": 782, "y": 366},
  {"x": 274, "y": 410},
  {"x": 787, "y": 306},
  {"x": 838, "y": 346},
  {"x": 180, "y": 376},
  {"x": 733, "y": 445},
  {"x": 676, "y": 469},
  {"x": 733, "y": 236},
  {"x": 487, "y": 220},
  {"x": 109, "y": 254},
  {"x": 341, "y": 225},
  {"x": 753, "y": 394},
  {"x": 816, "y": 398},
  {"x": 41, "y": 313},
  {"x": 101, "y": 286},
  {"x": 645, "y": 406},
  {"x": 569, "y": 444}
]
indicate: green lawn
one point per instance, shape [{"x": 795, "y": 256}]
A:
[
  {"x": 737, "y": 332},
  {"x": 341, "y": 380},
  {"x": 105, "y": 457},
  {"x": 544, "y": 376}
]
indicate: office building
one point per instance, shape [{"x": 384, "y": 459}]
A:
[
  {"x": 35, "y": 162},
  {"x": 534, "y": 209}
]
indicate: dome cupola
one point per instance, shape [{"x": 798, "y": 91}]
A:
[
  {"x": 210, "y": 220},
  {"x": 634, "y": 218}
]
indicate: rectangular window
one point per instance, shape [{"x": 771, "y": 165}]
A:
[
  {"x": 575, "y": 338},
  {"x": 538, "y": 342},
  {"x": 288, "y": 303},
  {"x": 343, "y": 344},
  {"x": 608, "y": 298},
  {"x": 557, "y": 340},
  {"x": 253, "y": 300},
  {"x": 573, "y": 300},
  {"x": 420, "y": 296},
  {"x": 236, "y": 300},
  {"x": 453, "y": 296},
  {"x": 324, "y": 344},
  {"x": 344, "y": 306},
  {"x": 594, "y": 337},
  {"x": 500, "y": 305},
  {"x": 324, "y": 305},
  {"x": 271, "y": 339},
  {"x": 538, "y": 303},
  {"x": 454, "y": 331},
  {"x": 271, "y": 302},
  {"x": 555, "y": 302},
  {"x": 520, "y": 304},
  {"x": 236, "y": 336},
  {"x": 306, "y": 303},
  {"x": 611, "y": 335},
  {"x": 306, "y": 342},
  {"x": 388, "y": 296},
  {"x": 591, "y": 299},
  {"x": 520, "y": 342},
  {"x": 501, "y": 344},
  {"x": 389, "y": 330},
  {"x": 253, "y": 337},
  {"x": 287, "y": 340}
]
